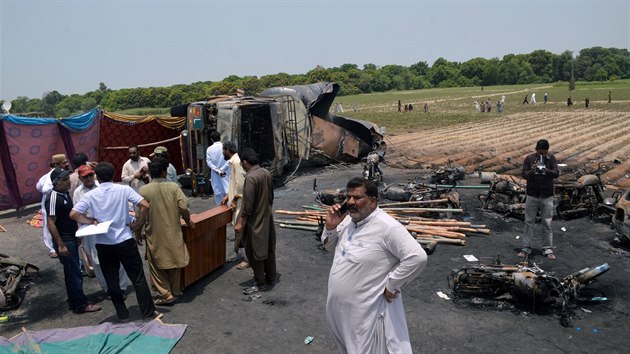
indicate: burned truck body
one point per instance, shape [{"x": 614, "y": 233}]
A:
[{"x": 288, "y": 127}]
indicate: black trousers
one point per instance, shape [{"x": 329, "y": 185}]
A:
[
  {"x": 264, "y": 270},
  {"x": 125, "y": 253}
]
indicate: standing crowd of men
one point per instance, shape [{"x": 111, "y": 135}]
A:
[{"x": 147, "y": 207}]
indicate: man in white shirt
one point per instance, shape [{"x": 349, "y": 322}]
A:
[
  {"x": 135, "y": 171},
  {"x": 234, "y": 197},
  {"x": 45, "y": 186},
  {"x": 374, "y": 257},
  {"x": 88, "y": 183},
  {"x": 219, "y": 169},
  {"x": 109, "y": 202}
]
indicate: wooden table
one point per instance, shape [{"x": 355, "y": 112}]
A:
[{"x": 206, "y": 243}]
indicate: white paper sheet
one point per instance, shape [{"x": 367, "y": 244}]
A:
[
  {"x": 100, "y": 228},
  {"x": 470, "y": 258}
]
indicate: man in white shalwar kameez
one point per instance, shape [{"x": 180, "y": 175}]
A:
[
  {"x": 219, "y": 169},
  {"x": 374, "y": 257}
]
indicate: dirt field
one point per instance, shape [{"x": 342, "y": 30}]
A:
[
  {"x": 221, "y": 320},
  {"x": 578, "y": 138}
]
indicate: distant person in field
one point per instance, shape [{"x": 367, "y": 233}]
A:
[
  {"x": 483, "y": 107},
  {"x": 406, "y": 108},
  {"x": 586, "y": 103},
  {"x": 399, "y": 106},
  {"x": 569, "y": 102},
  {"x": 426, "y": 107},
  {"x": 503, "y": 99},
  {"x": 477, "y": 108},
  {"x": 500, "y": 106},
  {"x": 525, "y": 101},
  {"x": 609, "y": 96},
  {"x": 545, "y": 98},
  {"x": 410, "y": 107},
  {"x": 489, "y": 105},
  {"x": 533, "y": 100}
]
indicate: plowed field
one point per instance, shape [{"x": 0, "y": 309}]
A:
[{"x": 580, "y": 139}]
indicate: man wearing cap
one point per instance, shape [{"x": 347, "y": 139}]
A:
[
  {"x": 108, "y": 202},
  {"x": 539, "y": 169},
  {"x": 171, "y": 172},
  {"x": 63, "y": 229},
  {"x": 88, "y": 183},
  {"x": 45, "y": 186},
  {"x": 135, "y": 171}
]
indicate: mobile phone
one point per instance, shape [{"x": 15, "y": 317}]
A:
[{"x": 344, "y": 208}]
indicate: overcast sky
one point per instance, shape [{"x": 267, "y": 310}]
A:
[{"x": 71, "y": 46}]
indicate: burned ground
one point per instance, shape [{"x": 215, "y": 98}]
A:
[{"x": 222, "y": 320}]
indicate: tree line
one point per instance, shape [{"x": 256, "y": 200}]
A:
[{"x": 539, "y": 66}]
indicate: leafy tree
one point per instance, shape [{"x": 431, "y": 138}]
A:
[
  {"x": 562, "y": 67},
  {"x": 176, "y": 97},
  {"x": 442, "y": 70},
  {"x": 419, "y": 68},
  {"x": 49, "y": 100},
  {"x": 20, "y": 105},
  {"x": 319, "y": 74},
  {"x": 474, "y": 71},
  {"x": 102, "y": 86},
  {"x": 541, "y": 62},
  {"x": 88, "y": 103},
  {"x": 369, "y": 67},
  {"x": 251, "y": 85},
  {"x": 348, "y": 67}
]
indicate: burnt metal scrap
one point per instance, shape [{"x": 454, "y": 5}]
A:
[
  {"x": 506, "y": 195},
  {"x": 527, "y": 283},
  {"x": 583, "y": 195},
  {"x": 13, "y": 272},
  {"x": 288, "y": 127},
  {"x": 621, "y": 217},
  {"x": 447, "y": 174},
  {"x": 415, "y": 190}
]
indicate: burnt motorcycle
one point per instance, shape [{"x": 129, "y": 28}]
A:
[
  {"x": 526, "y": 282},
  {"x": 621, "y": 218},
  {"x": 447, "y": 174},
  {"x": 12, "y": 286},
  {"x": 506, "y": 195},
  {"x": 415, "y": 190},
  {"x": 584, "y": 196}
]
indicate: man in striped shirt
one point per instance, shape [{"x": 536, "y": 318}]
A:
[{"x": 63, "y": 229}]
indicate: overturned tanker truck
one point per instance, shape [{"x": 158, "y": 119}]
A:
[{"x": 288, "y": 127}]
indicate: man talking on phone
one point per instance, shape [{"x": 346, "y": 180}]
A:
[{"x": 374, "y": 256}]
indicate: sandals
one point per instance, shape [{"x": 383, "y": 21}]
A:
[
  {"x": 91, "y": 308},
  {"x": 242, "y": 265},
  {"x": 165, "y": 302}
]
